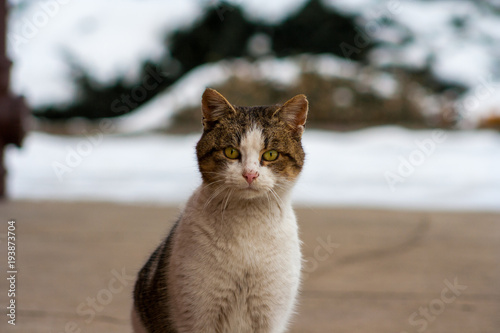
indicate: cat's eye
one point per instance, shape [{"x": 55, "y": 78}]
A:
[
  {"x": 231, "y": 153},
  {"x": 270, "y": 155}
]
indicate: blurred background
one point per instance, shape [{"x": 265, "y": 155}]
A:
[
  {"x": 399, "y": 200},
  {"x": 404, "y": 96}
]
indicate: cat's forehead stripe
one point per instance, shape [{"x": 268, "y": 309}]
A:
[{"x": 253, "y": 138}]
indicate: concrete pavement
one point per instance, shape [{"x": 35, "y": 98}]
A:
[{"x": 366, "y": 270}]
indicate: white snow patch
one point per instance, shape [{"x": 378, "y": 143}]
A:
[
  {"x": 187, "y": 92},
  {"x": 108, "y": 38},
  {"x": 342, "y": 169}
]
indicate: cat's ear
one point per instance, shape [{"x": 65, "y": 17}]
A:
[
  {"x": 214, "y": 106},
  {"x": 294, "y": 112}
]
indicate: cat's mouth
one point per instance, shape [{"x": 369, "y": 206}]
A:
[
  {"x": 251, "y": 191},
  {"x": 249, "y": 188}
]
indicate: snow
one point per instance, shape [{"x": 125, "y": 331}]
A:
[
  {"x": 157, "y": 113},
  {"x": 457, "y": 56},
  {"x": 480, "y": 102},
  {"x": 95, "y": 34},
  {"x": 451, "y": 170},
  {"x": 343, "y": 169},
  {"x": 98, "y": 35},
  {"x": 267, "y": 11}
]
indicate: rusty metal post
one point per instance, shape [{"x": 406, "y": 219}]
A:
[{"x": 13, "y": 110}]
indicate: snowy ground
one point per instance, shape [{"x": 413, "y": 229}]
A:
[
  {"x": 387, "y": 167},
  {"x": 380, "y": 167}
]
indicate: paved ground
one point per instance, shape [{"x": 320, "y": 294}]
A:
[{"x": 367, "y": 270}]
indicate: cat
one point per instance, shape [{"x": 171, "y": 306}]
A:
[{"x": 232, "y": 262}]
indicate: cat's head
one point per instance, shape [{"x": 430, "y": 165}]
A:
[{"x": 252, "y": 151}]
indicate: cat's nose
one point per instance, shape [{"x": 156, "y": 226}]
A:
[{"x": 250, "y": 176}]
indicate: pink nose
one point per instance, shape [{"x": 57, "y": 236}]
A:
[{"x": 250, "y": 176}]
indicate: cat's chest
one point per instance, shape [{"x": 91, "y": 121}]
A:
[
  {"x": 261, "y": 243},
  {"x": 245, "y": 261},
  {"x": 247, "y": 238},
  {"x": 255, "y": 229}
]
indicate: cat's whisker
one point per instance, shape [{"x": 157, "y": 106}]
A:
[
  {"x": 230, "y": 192},
  {"x": 281, "y": 186},
  {"x": 212, "y": 183},
  {"x": 216, "y": 193},
  {"x": 277, "y": 202},
  {"x": 269, "y": 201},
  {"x": 284, "y": 187},
  {"x": 223, "y": 201},
  {"x": 278, "y": 199}
]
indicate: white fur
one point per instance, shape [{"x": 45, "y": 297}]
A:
[
  {"x": 251, "y": 144},
  {"x": 251, "y": 149},
  {"x": 236, "y": 252},
  {"x": 235, "y": 261},
  {"x": 210, "y": 257}
]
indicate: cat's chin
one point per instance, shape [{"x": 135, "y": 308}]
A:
[{"x": 251, "y": 193}]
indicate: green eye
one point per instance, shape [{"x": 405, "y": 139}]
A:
[
  {"x": 270, "y": 155},
  {"x": 231, "y": 153}
]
